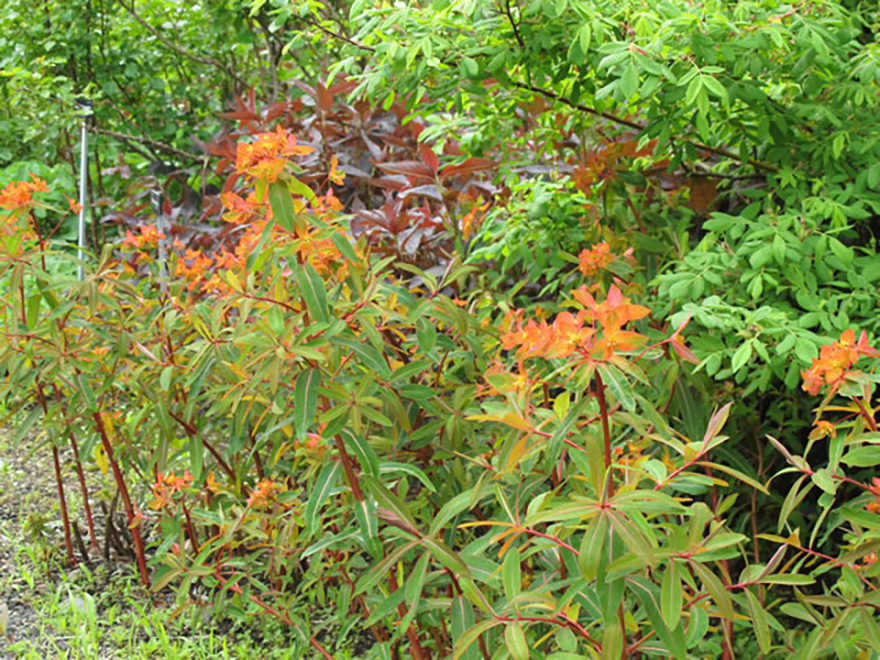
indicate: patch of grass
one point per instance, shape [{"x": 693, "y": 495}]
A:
[{"x": 93, "y": 614}]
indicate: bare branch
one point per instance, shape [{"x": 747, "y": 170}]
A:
[{"x": 154, "y": 144}]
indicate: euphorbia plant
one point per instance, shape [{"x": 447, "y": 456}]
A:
[
  {"x": 291, "y": 422},
  {"x": 836, "y": 551}
]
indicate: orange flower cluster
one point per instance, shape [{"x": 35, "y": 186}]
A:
[
  {"x": 823, "y": 429},
  {"x": 264, "y": 493},
  {"x": 167, "y": 487},
  {"x": 19, "y": 194},
  {"x": 192, "y": 266},
  {"x": 266, "y": 157},
  {"x": 149, "y": 237},
  {"x": 241, "y": 211},
  {"x": 835, "y": 360},
  {"x": 568, "y": 332},
  {"x": 595, "y": 259}
]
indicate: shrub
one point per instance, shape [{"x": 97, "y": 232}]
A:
[{"x": 290, "y": 420}]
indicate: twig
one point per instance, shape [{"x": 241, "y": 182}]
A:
[
  {"x": 149, "y": 142},
  {"x": 336, "y": 35},
  {"x": 514, "y": 25},
  {"x": 550, "y": 94}
]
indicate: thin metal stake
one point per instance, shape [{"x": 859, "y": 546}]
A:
[{"x": 84, "y": 107}]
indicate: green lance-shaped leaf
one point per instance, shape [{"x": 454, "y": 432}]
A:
[
  {"x": 344, "y": 246},
  {"x": 515, "y": 637},
  {"x": 313, "y": 292},
  {"x": 759, "y": 621},
  {"x": 462, "y": 621},
  {"x": 613, "y": 641},
  {"x": 379, "y": 572},
  {"x": 365, "y": 514},
  {"x": 556, "y": 441},
  {"x": 391, "y": 467},
  {"x": 367, "y": 354},
  {"x": 671, "y": 595},
  {"x": 391, "y": 503},
  {"x": 591, "y": 547},
  {"x": 649, "y": 596},
  {"x": 463, "y": 643},
  {"x": 416, "y": 580},
  {"x": 620, "y": 387},
  {"x": 358, "y": 445},
  {"x": 461, "y": 502},
  {"x": 715, "y": 588},
  {"x": 306, "y": 401},
  {"x": 327, "y": 479},
  {"x": 735, "y": 474},
  {"x": 632, "y": 537},
  {"x": 870, "y": 628},
  {"x": 282, "y": 205},
  {"x": 446, "y": 556},
  {"x": 511, "y": 575}
]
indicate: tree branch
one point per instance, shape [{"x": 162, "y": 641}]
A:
[
  {"x": 547, "y": 93},
  {"x": 210, "y": 61},
  {"x": 336, "y": 35},
  {"x": 154, "y": 144}
]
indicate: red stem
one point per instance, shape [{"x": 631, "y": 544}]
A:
[
  {"x": 606, "y": 431},
  {"x": 67, "y": 542},
  {"x": 872, "y": 423},
  {"x": 133, "y": 522},
  {"x": 79, "y": 473}
]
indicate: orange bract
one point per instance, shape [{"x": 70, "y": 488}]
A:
[
  {"x": 595, "y": 259},
  {"x": 266, "y": 157},
  {"x": 568, "y": 333},
  {"x": 19, "y": 194},
  {"x": 264, "y": 493},
  {"x": 167, "y": 487},
  {"x": 149, "y": 237},
  {"x": 835, "y": 360}
]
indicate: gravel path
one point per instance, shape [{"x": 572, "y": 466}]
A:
[{"x": 32, "y": 556}]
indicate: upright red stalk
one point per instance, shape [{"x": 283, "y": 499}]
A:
[
  {"x": 59, "y": 483},
  {"x": 67, "y": 542},
  {"x": 727, "y": 653},
  {"x": 93, "y": 536},
  {"x": 81, "y": 477},
  {"x": 606, "y": 430},
  {"x": 133, "y": 522},
  {"x": 609, "y": 486}
]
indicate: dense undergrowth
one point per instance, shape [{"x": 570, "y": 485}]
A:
[{"x": 505, "y": 339}]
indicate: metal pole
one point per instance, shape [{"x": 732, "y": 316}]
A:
[
  {"x": 84, "y": 107},
  {"x": 156, "y": 199}
]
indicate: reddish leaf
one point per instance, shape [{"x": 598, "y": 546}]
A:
[
  {"x": 324, "y": 98},
  {"x": 704, "y": 190},
  {"x": 429, "y": 190},
  {"x": 407, "y": 167},
  {"x": 684, "y": 352},
  {"x": 429, "y": 158},
  {"x": 468, "y": 167},
  {"x": 391, "y": 183}
]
